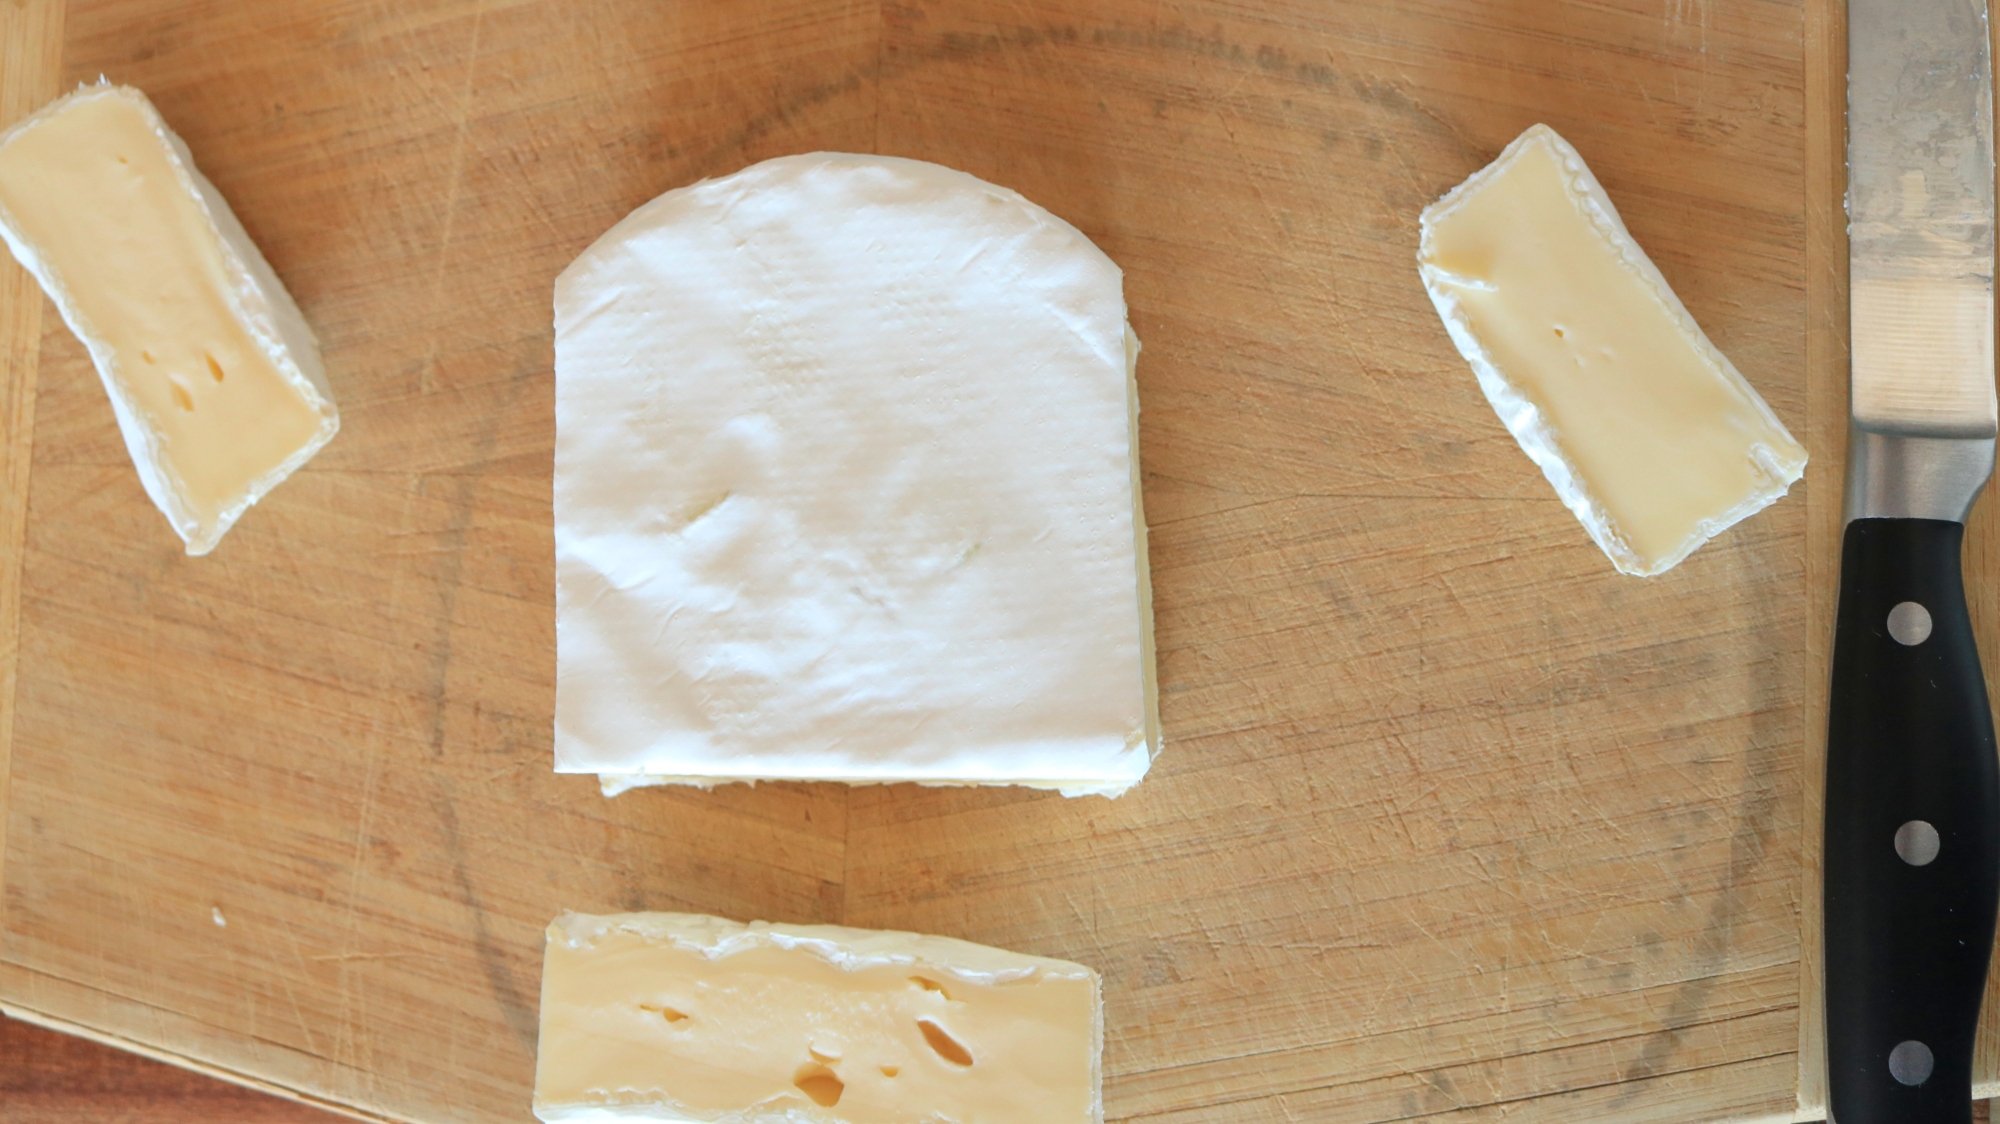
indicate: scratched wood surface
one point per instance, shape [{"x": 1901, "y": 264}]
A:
[
  {"x": 1454, "y": 823},
  {"x": 51, "y": 1078}
]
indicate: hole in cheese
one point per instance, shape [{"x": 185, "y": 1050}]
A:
[
  {"x": 214, "y": 368},
  {"x": 148, "y": 357},
  {"x": 929, "y": 984},
  {"x": 182, "y": 397},
  {"x": 947, "y": 1047},
  {"x": 821, "y": 1084},
  {"x": 668, "y": 1013},
  {"x": 891, "y": 1070}
]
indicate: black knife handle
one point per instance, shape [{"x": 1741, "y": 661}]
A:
[{"x": 1912, "y": 830}]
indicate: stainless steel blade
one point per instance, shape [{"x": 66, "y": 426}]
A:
[{"x": 1920, "y": 257}]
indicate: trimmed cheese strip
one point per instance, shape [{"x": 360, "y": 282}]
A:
[
  {"x": 846, "y": 489},
  {"x": 213, "y": 375},
  {"x": 668, "y": 1017},
  {"x": 1646, "y": 431}
]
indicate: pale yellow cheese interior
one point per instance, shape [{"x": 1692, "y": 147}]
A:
[
  {"x": 671, "y": 1032},
  {"x": 1662, "y": 437},
  {"x": 92, "y": 189}
]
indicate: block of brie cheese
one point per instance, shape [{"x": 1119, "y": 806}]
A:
[
  {"x": 668, "y": 1017},
  {"x": 846, "y": 489},
  {"x": 1647, "y": 432},
  {"x": 213, "y": 375}
]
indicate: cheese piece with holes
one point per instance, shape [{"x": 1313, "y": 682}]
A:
[
  {"x": 213, "y": 375},
  {"x": 668, "y": 1017},
  {"x": 846, "y": 489},
  {"x": 1647, "y": 432}
]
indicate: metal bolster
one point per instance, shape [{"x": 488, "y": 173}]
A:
[{"x": 1906, "y": 476}]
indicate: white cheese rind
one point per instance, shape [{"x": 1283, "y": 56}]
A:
[
  {"x": 846, "y": 490},
  {"x": 259, "y": 300},
  {"x": 1779, "y": 460},
  {"x": 686, "y": 1018}
]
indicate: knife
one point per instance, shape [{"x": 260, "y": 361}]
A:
[{"x": 1912, "y": 851}]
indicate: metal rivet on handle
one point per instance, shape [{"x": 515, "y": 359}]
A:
[
  {"x": 1910, "y": 1062},
  {"x": 1917, "y": 843},
  {"x": 1909, "y": 623}
]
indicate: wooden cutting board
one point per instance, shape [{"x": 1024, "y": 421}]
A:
[{"x": 1454, "y": 821}]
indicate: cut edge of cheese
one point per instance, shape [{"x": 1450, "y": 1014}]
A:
[
  {"x": 259, "y": 299},
  {"x": 847, "y": 948},
  {"x": 1519, "y": 412},
  {"x": 1149, "y": 667}
]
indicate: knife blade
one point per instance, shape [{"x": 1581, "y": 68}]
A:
[{"x": 1912, "y": 814}]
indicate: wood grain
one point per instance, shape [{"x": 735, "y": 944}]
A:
[
  {"x": 30, "y": 58},
  {"x": 1454, "y": 822},
  {"x": 52, "y": 1078},
  {"x": 1826, "y": 425}
]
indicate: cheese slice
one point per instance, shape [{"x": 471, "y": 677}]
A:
[
  {"x": 846, "y": 489},
  {"x": 667, "y": 1017},
  {"x": 213, "y": 375},
  {"x": 1647, "y": 432}
]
